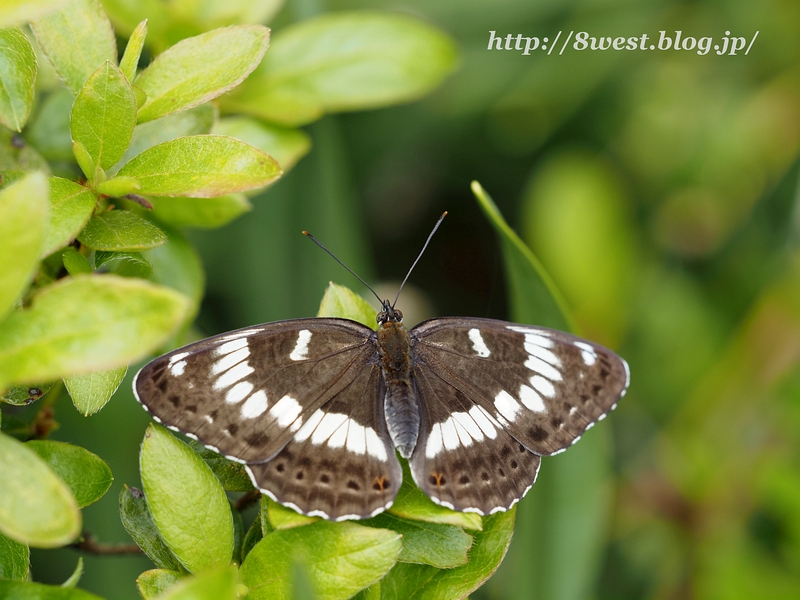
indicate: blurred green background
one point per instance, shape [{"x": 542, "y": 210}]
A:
[{"x": 660, "y": 191}]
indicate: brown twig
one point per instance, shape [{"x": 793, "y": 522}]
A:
[{"x": 92, "y": 546}]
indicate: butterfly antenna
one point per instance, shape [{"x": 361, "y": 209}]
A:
[
  {"x": 428, "y": 241},
  {"x": 318, "y": 243}
]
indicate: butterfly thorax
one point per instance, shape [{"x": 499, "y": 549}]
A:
[{"x": 401, "y": 406}]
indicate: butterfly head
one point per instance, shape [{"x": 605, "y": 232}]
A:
[{"x": 389, "y": 314}]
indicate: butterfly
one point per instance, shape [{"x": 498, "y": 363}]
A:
[{"x": 317, "y": 409}]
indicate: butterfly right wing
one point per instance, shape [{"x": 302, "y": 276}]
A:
[{"x": 296, "y": 401}]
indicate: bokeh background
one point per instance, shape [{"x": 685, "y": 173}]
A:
[{"x": 660, "y": 191}]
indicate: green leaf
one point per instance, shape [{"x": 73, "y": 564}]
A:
[
  {"x": 23, "y": 213},
  {"x": 339, "y": 301},
  {"x": 177, "y": 265},
  {"x": 340, "y": 559},
  {"x": 85, "y": 324},
  {"x": 22, "y": 395},
  {"x": 85, "y": 160},
  {"x": 194, "y": 121},
  {"x": 49, "y": 130},
  {"x": 17, "y": 590},
  {"x": 531, "y": 288},
  {"x": 14, "y": 559},
  {"x": 138, "y": 522},
  {"x": 407, "y": 581},
  {"x": 252, "y": 537},
  {"x": 16, "y": 161},
  {"x": 285, "y": 145},
  {"x": 219, "y": 584},
  {"x": 130, "y": 59},
  {"x": 76, "y": 40},
  {"x": 13, "y": 12},
  {"x": 412, "y": 503},
  {"x": 200, "y": 68},
  {"x": 232, "y": 476},
  {"x": 201, "y": 165},
  {"x": 36, "y": 506},
  {"x": 73, "y": 579},
  {"x": 441, "y": 546},
  {"x": 116, "y": 187},
  {"x": 204, "y": 213},
  {"x": 71, "y": 207},
  {"x": 104, "y": 115},
  {"x": 18, "y": 66},
  {"x": 124, "y": 264},
  {"x": 90, "y": 392},
  {"x": 86, "y": 474},
  {"x": 154, "y": 582},
  {"x": 188, "y": 504},
  {"x": 283, "y": 517},
  {"x": 74, "y": 262},
  {"x": 118, "y": 230},
  {"x": 345, "y": 61}
]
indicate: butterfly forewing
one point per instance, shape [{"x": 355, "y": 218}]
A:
[
  {"x": 544, "y": 387},
  {"x": 341, "y": 462},
  {"x": 246, "y": 393}
]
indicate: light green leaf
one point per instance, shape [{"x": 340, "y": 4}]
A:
[
  {"x": 85, "y": 160},
  {"x": 74, "y": 262},
  {"x": 130, "y": 59},
  {"x": 188, "y": 504},
  {"x": 14, "y": 12},
  {"x": 118, "y": 230},
  {"x": 339, "y": 301},
  {"x": 200, "y": 68},
  {"x": 49, "y": 130},
  {"x": 17, "y": 590},
  {"x": 409, "y": 581},
  {"x": 14, "y": 559},
  {"x": 530, "y": 285},
  {"x": 285, "y": 145},
  {"x": 23, "y": 214},
  {"x": 117, "y": 187},
  {"x": 18, "y": 66},
  {"x": 232, "y": 476},
  {"x": 195, "y": 121},
  {"x": 73, "y": 579},
  {"x": 138, "y": 522},
  {"x": 219, "y": 584},
  {"x": 201, "y": 165},
  {"x": 22, "y": 395},
  {"x": 345, "y": 61},
  {"x": 84, "y": 324},
  {"x": 71, "y": 207},
  {"x": 412, "y": 503},
  {"x": 76, "y": 40},
  {"x": 252, "y": 537},
  {"x": 154, "y": 582},
  {"x": 339, "y": 558},
  {"x": 104, "y": 115},
  {"x": 86, "y": 474},
  {"x": 36, "y": 507},
  {"x": 441, "y": 546},
  {"x": 204, "y": 213},
  {"x": 124, "y": 264},
  {"x": 90, "y": 392},
  {"x": 283, "y": 517}
]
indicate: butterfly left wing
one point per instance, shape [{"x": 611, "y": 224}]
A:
[{"x": 508, "y": 386}]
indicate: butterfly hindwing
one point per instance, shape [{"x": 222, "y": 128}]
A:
[
  {"x": 545, "y": 387},
  {"x": 341, "y": 462}
]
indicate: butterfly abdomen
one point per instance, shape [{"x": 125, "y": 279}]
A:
[{"x": 401, "y": 406}]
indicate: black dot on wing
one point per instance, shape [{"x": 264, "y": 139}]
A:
[
  {"x": 299, "y": 475},
  {"x": 280, "y": 467},
  {"x": 485, "y": 476},
  {"x": 521, "y": 449},
  {"x": 233, "y": 428},
  {"x": 463, "y": 480},
  {"x": 174, "y": 400},
  {"x": 604, "y": 373},
  {"x": 258, "y": 438},
  {"x": 192, "y": 408},
  {"x": 353, "y": 485},
  {"x": 501, "y": 472},
  {"x": 514, "y": 464},
  {"x": 538, "y": 434},
  {"x": 596, "y": 389},
  {"x": 324, "y": 478},
  {"x": 556, "y": 422},
  {"x": 161, "y": 384},
  {"x": 505, "y": 451}
]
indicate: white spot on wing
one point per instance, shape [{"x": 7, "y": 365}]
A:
[
  {"x": 435, "y": 443},
  {"x": 228, "y": 360},
  {"x": 285, "y": 411},
  {"x": 233, "y": 375},
  {"x": 375, "y": 446},
  {"x": 530, "y": 399},
  {"x": 533, "y": 346},
  {"x": 543, "y": 386},
  {"x": 178, "y": 368},
  {"x": 327, "y": 426},
  {"x": 506, "y": 405},
  {"x": 231, "y": 346},
  {"x": 449, "y": 435},
  {"x": 300, "y": 351},
  {"x": 176, "y": 357},
  {"x": 238, "y": 392},
  {"x": 309, "y": 426},
  {"x": 484, "y": 420},
  {"x": 255, "y": 405},
  {"x": 480, "y": 347}
]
